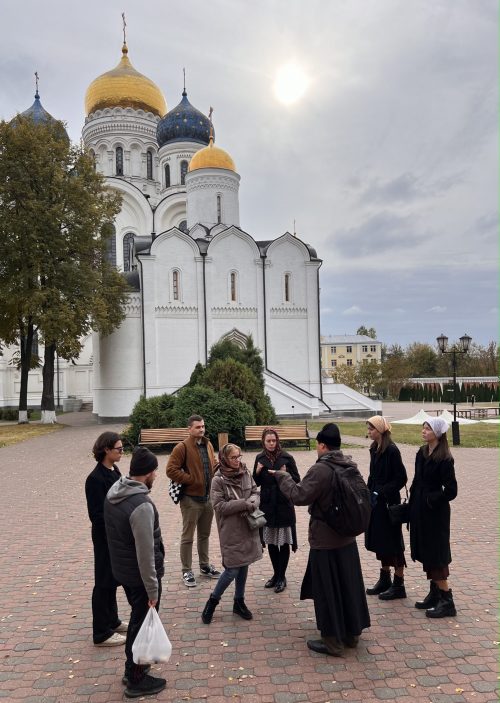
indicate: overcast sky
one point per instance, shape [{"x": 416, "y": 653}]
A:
[{"x": 388, "y": 163}]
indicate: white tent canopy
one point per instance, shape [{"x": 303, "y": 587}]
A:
[
  {"x": 446, "y": 415},
  {"x": 417, "y": 419}
]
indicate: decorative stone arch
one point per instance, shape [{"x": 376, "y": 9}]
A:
[{"x": 236, "y": 337}]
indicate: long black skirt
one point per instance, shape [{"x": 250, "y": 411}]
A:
[{"x": 334, "y": 581}]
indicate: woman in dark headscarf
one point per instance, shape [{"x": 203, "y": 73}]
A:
[
  {"x": 233, "y": 495},
  {"x": 279, "y": 532}
]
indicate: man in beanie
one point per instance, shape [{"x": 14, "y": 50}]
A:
[
  {"x": 137, "y": 555},
  {"x": 333, "y": 577}
]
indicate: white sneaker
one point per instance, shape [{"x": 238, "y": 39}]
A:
[
  {"x": 122, "y": 627},
  {"x": 112, "y": 641},
  {"x": 189, "y": 579}
]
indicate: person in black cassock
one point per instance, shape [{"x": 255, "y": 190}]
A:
[{"x": 333, "y": 577}]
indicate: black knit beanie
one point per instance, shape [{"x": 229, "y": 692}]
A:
[
  {"x": 329, "y": 435},
  {"x": 143, "y": 462}
]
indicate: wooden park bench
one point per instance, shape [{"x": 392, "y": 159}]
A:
[
  {"x": 286, "y": 433},
  {"x": 165, "y": 435}
]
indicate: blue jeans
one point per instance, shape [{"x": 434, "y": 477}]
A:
[{"x": 239, "y": 573}]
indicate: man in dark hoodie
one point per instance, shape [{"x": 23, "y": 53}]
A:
[
  {"x": 137, "y": 556},
  {"x": 333, "y": 577}
]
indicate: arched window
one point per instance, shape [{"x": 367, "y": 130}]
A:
[
  {"x": 34, "y": 345},
  {"x": 219, "y": 208},
  {"x": 175, "y": 285},
  {"x": 183, "y": 226},
  {"x": 119, "y": 161},
  {"x": 149, "y": 165},
  {"x": 128, "y": 242},
  {"x": 184, "y": 170},
  {"x": 167, "y": 176},
  {"x": 288, "y": 288},
  {"x": 92, "y": 156},
  {"x": 233, "y": 287}
]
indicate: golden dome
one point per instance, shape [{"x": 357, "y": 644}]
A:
[
  {"x": 124, "y": 87},
  {"x": 211, "y": 157}
]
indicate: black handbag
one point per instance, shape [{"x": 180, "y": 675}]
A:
[{"x": 400, "y": 513}]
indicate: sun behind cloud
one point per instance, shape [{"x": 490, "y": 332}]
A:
[{"x": 291, "y": 83}]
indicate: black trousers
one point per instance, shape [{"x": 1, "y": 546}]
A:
[
  {"x": 104, "y": 609},
  {"x": 138, "y": 599}
]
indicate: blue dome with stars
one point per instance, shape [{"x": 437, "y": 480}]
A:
[{"x": 184, "y": 123}]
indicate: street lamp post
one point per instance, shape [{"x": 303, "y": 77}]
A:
[{"x": 465, "y": 341}]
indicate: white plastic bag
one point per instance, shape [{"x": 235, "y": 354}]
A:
[{"x": 151, "y": 644}]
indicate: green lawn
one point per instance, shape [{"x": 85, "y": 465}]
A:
[{"x": 479, "y": 435}]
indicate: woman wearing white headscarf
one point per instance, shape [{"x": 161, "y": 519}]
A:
[{"x": 433, "y": 487}]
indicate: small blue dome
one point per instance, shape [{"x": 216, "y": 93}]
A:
[
  {"x": 40, "y": 116},
  {"x": 37, "y": 112},
  {"x": 184, "y": 123}
]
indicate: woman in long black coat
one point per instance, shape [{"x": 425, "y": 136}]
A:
[
  {"x": 433, "y": 487},
  {"x": 279, "y": 533},
  {"x": 387, "y": 477}
]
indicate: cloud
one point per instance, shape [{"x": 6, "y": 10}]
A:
[
  {"x": 353, "y": 310},
  {"x": 437, "y": 309},
  {"x": 406, "y": 188}
]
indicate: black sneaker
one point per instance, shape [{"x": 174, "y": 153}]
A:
[
  {"x": 210, "y": 571},
  {"x": 146, "y": 668},
  {"x": 148, "y": 686},
  {"x": 188, "y": 579}
]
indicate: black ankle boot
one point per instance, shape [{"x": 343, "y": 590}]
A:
[
  {"x": 445, "y": 607},
  {"x": 239, "y": 608},
  {"x": 397, "y": 590},
  {"x": 384, "y": 582},
  {"x": 208, "y": 610},
  {"x": 431, "y": 599}
]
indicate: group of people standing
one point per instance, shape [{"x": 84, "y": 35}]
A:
[{"x": 128, "y": 546}]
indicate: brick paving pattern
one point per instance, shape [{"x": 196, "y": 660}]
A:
[{"x": 46, "y": 574}]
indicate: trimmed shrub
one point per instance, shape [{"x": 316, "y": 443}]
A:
[
  {"x": 221, "y": 411},
  {"x": 150, "y": 413}
]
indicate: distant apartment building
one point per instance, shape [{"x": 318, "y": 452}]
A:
[{"x": 349, "y": 350}]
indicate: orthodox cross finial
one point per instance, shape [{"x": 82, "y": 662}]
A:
[
  {"x": 210, "y": 113},
  {"x": 184, "y": 72},
  {"x": 294, "y": 230},
  {"x": 36, "y": 85},
  {"x": 124, "y": 28}
]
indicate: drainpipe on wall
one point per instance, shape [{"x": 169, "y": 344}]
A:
[
  {"x": 319, "y": 339},
  {"x": 143, "y": 331},
  {"x": 263, "y": 257},
  {"x": 204, "y": 256}
]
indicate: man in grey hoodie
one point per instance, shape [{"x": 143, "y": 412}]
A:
[{"x": 137, "y": 555}]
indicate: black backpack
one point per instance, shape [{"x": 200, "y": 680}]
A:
[{"x": 349, "y": 512}]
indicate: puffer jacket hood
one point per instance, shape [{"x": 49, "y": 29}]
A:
[{"x": 125, "y": 488}]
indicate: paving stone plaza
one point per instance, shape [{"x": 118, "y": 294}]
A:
[{"x": 46, "y": 577}]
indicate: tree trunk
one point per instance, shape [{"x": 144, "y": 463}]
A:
[
  {"x": 26, "y": 343},
  {"x": 47, "y": 405}
]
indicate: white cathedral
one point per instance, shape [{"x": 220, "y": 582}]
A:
[{"x": 196, "y": 276}]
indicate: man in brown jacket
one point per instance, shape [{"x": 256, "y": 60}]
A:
[{"x": 192, "y": 463}]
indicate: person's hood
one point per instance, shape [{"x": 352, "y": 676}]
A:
[
  {"x": 337, "y": 457},
  {"x": 124, "y": 488}
]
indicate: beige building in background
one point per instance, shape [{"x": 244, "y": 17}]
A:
[{"x": 349, "y": 350}]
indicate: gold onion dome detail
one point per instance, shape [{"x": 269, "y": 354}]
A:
[
  {"x": 123, "y": 86},
  {"x": 211, "y": 157}
]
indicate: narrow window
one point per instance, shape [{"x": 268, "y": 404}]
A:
[
  {"x": 364, "y": 348},
  {"x": 219, "y": 209},
  {"x": 373, "y": 348},
  {"x": 184, "y": 168},
  {"x": 333, "y": 350},
  {"x": 175, "y": 285},
  {"x": 287, "y": 287},
  {"x": 34, "y": 345},
  {"x": 183, "y": 226},
  {"x": 349, "y": 362},
  {"x": 128, "y": 241},
  {"x": 92, "y": 155},
  {"x": 349, "y": 350},
  {"x": 167, "y": 176},
  {"x": 334, "y": 363},
  {"x": 149, "y": 166},
  {"x": 119, "y": 161},
  {"x": 233, "y": 287}
]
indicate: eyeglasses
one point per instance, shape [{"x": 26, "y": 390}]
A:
[
  {"x": 232, "y": 458},
  {"x": 118, "y": 449}
]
